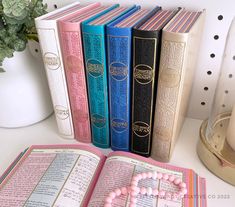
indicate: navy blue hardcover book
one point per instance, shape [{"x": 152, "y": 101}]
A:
[{"x": 119, "y": 47}]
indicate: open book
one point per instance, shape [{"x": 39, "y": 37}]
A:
[{"x": 79, "y": 175}]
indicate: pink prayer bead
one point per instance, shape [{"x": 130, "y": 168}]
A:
[
  {"x": 143, "y": 191},
  {"x": 118, "y": 192},
  {"x": 180, "y": 195},
  {"x": 182, "y": 185},
  {"x": 132, "y": 205},
  {"x": 149, "y": 174},
  {"x": 112, "y": 195},
  {"x": 133, "y": 188},
  {"x": 149, "y": 191},
  {"x": 159, "y": 176},
  {"x": 171, "y": 178},
  {"x": 133, "y": 193},
  {"x": 165, "y": 177},
  {"x": 154, "y": 175},
  {"x": 155, "y": 192},
  {"x": 183, "y": 190},
  {"x": 124, "y": 190},
  {"x": 134, "y": 182},
  {"x": 177, "y": 181},
  {"x": 108, "y": 200},
  {"x": 108, "y": 205}
]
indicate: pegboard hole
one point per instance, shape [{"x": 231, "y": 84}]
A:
[
  {"x": 209, "y": 72},
  {"x": 220, "y": 17},
  {"x": 230, "y": 75},
  {"x": 36, "y": 50},
  {"x": 234, "y": 57},
  {"x": 55, "y": 6},
  {"x": 226, "y": 91},
  {"x": 223, "y": 105},
  {"x": 206, "y": 88},
  {"x": 216, "y": 37},
  {"x": 212, "y": 55},
  {"x": 203, "y": 103}
]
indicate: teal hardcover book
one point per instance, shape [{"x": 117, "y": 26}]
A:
[{"x": 94, "y": 45}]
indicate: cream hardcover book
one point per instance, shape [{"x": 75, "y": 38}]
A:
[{"x": 179, "y": 50}]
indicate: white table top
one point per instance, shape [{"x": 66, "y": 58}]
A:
[{"x": 219, "y": 193}]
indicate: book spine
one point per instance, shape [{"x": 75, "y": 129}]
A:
[
  {"x": 71, "y": 44},
  {"x": 145, "y": 55},
  {"x": 119, "y": 61},
  {"x": 170, "y": 83},
  {"x": 51, "y": 52},
  {"x": 96, "y": 71}
]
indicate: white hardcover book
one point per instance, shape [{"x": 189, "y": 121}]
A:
[{"x": 52, "y": 57}]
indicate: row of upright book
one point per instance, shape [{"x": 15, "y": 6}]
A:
[{"x": 121, "y": 76}]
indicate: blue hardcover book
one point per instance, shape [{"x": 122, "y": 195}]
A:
[
  {"x": 119, "y": 46},
  {"x": 94, "y": 44}
]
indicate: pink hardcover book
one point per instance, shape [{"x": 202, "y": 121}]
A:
[
  {"x": 48, "y": 35},
  {"x": 72, "y": 54},
  {"x": 80, "y": 175}
]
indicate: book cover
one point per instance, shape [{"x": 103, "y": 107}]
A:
[
  {"x": 72, "y": 54},
  {"x": 47, "y": 30},
  {"x": 94, "y": 43},
  {"x": 119, "y": 49},
  {"x": 80, "y": 175},
  {"x": 179, "y": 51},
  {"x": 146, "y": 54}
]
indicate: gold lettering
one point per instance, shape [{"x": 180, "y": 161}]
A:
[
  {"x": 62, "y": 112},
  {"x": 95, "y": 68},
  {"x": 141, "y": 129},
  {"x": 97, "y": 120},
  {"x": 143, "y": 74},
  {"x": 51, "y": 61},
  {"x": 121, "y": 71},
  {"x": 119, "y": 124}
]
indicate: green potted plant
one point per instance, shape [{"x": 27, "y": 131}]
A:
[
  {"x": 17, "y": 25},
  {"x": 24, "y": 93}
]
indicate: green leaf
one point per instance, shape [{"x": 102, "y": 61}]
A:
[
  {"x": 19, "y": 45},
  {"x": 17, "y": 25},
  {"x": 2, "y": 70},
  {"x": 33, "y": 37},
  {"x": 5, "y": 51},
  {"x": 15, "y": 8}
]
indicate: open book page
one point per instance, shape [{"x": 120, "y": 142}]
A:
[
  {"x": 117, "y": 172},
  {"x": 60, "y": 176}
]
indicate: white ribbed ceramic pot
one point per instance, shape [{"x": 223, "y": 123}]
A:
[{"x": 24, "y": 93}]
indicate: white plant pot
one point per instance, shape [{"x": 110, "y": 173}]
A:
[{"x": 24, "y": 93}]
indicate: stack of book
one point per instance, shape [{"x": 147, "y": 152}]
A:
[{"x": 121, "y": 76}]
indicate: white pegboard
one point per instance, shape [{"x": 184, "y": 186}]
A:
[{"x": 218, "y": 18}]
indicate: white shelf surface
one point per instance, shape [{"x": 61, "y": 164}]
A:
[{"x": 219, "y": 193}]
